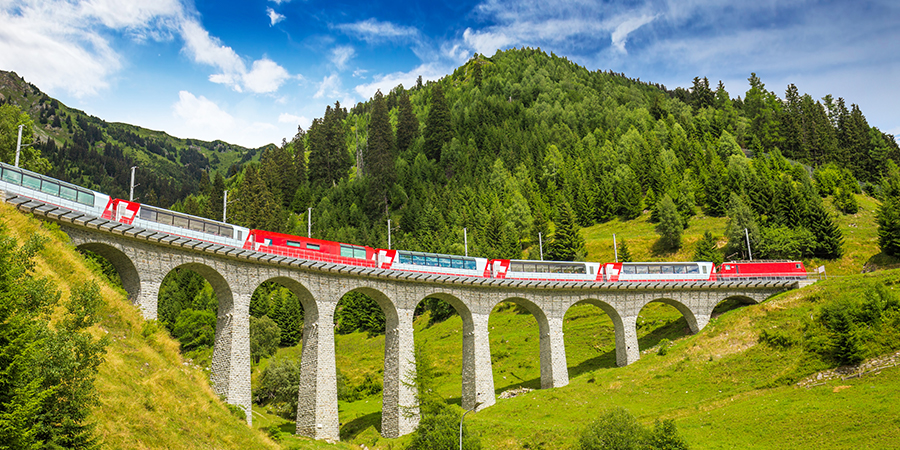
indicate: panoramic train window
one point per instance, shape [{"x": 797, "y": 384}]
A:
[
  {"x": 49, "y": 187},
  {"x": 68, "y": 193},
  {"x": 31, "y": 182},
  {"x": 12, "y": 176}
]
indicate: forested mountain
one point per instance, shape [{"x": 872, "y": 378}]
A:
[
  {"x": 523, "y": 143},
  {"x": 91, "y": 152}
]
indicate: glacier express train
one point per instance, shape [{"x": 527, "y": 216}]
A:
[{"x": 28, "y": 184}]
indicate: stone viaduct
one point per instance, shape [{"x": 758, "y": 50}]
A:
[{"x": 143, "y": 258}]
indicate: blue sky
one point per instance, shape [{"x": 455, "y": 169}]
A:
[{"x": 250, "y": 71}]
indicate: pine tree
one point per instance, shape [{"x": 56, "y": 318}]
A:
[
  {"x": 624, "y": 253},
  {"x": 888, "y": 219},
  {"x": 567, "y": 243},
  {"x": 437, "y": 125},
  {"x": 216, "y": 196},
  {"x": 670, "y": 226},
  {"x": 300, "y": 165},
  {"x": 380, "y": 154},
  {"x": 407, "y": 124},
  {"x": 329, "y": 159},
  {"x": 828, "y": 237},
  {"x": 706, "y": 249},
  {"x": 740, "y": 217}
]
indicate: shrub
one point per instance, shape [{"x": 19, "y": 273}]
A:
[
  {"x": 195, "y": 329},
  {"x": 265, "y": 335},
  {"x": 618, "y": 430},
  {"x": 279, "y": 384}
]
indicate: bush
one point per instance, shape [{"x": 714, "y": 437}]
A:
[
  {"x": 279, "y": 385},
  {"x": 614, "y": 430},
  {"x": 618, "y": 430},
  {"x": 265, "y": 335},
  {"x": 850, "y": 329}
]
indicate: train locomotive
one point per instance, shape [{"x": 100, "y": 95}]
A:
[{"x": 24, "y": 183}]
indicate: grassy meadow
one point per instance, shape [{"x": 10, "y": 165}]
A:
[{"x": 723, "y": 387}]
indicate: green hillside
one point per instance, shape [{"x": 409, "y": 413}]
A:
[
  {"x": 149, "y": 396},
  {"x": 96, "y": 154},
  {"x": 730, "y": 386}
]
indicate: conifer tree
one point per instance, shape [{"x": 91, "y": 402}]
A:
[
  {"x": 300, "y": 165},
  {"x": 437, "y": 125},
  {"x": 216, "y": 196},
  {"x": 329, "y": 159},
  {"x": 624, "y": 253},
  {"x": 380, "y": 154},
  {"x": 828, "y": 237},
  {"x": 740, "y": 217},
  {"x": 407, "y": 124},
  {"x": 567, "y": 243},
  {"x": 707, "y": 251},
  {"x": 670, "y": 226}
]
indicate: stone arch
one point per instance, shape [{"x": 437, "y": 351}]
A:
[
  {"x": 625, "y": 332},
  {"x": 551, "y": 344},
  {"x": 729, "y": 303},
  {"x": 477, "y": 380},
  {"x": 694, "y": 322},
  {"x": 399, "y": 360},
  {"x": 128, "y": 273}
]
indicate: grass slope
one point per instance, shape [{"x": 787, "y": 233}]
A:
[
  {"x": 149, "y": 398},
  {"x": 723, "y": 387}
]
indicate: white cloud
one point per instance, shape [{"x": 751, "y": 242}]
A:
[
  {"x": 265, "y": 76},
  {"x": 626, "y": 27},
  {"x": 274, "y": 16},
  {"x": 341, "y": 55},
  {"x": 375, "y": 31},
  {"x": 202, "y": 114},
  {"x": 330, "y": 86},
  {"x": 198, "y": 117},
  {"x": 433, "y": 71},
  {"x": 278, "y": 2},
  {"x": 293, "y": 120}
]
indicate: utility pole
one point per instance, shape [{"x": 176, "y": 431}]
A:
[
  {"x": 131, "y": 190},
  {"x": 309, "y": 222},
  {"x": 389, "y": 234},
  {"x": 747, "y": 233},
  {"x": 615, "y": 247},
  {"x": 19, "y": 145},
  {"x": 541, "y": 244},
  {"x": 225, "y": 207},
  {"x": 466, "y": 240}
]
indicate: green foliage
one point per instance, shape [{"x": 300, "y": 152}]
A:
[
  {"x": 47, "y": 371},
  {"x": 380, "y": 153},
  {"x": 617, "y": 429},
  {"x": 567, "y": 243},
  {"x": 851, "y": 328},
  {"x": 283, "y": 307},
  {"x": 30, "y": 156},
  {"x": 707, "y": 249},
  {"x": 785, "y": 243},
  {"x": 624, "y": 253},
  {"x": 195, "y": 329},
  {"x": 359, "y": 312},
  {"x": 264, "y": 337},
  {"x": 439, "y": 310},
  {"x": 329, "y": 158},
  {"x": 614, "y": 430},
  {"x": 438, "y": 130},
  {"x": 888, "y": 216},
  {"x": 670, "y": 226},
  {"x": 740, "y": 218},
  {"x": 279, "y": 385},
  {"x": 438, "y": 424}
]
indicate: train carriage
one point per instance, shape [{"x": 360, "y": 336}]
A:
[
  {"x": 25, "y": 183},
  {"x": 659, "y": 271},
  {"x": 516, "y": 269},
  {"x": 309, "y": 248},
  {"x": 433, "y": 263},
  {"x": 762, "y": 270},
  {"x": 175, "y": 223}
]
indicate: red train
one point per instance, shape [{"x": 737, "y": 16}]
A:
[{"x": 27, "y": 184}]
